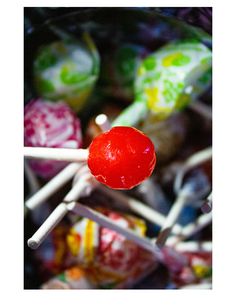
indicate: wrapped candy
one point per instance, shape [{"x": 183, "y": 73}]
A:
[
  {"x": 72, "y": 278},
  {"x": 119, "y": 69},
  {"x": 67, "y": 70},
  {"x": 48, "y": 124},
  {"x": 53, "y": 255},
  {"x": 167, "y": 136},
  {"x": 189, "y": 267},
  {"x": 109, "y": 258},
  {"x": 198, "y": 269},
  {"x": 167, "y": 80}
]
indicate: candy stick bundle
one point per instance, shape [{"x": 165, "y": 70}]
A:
[{"x": 81, "y": 187}]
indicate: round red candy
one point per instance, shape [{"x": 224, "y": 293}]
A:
[{"x": 122, "y": 157}]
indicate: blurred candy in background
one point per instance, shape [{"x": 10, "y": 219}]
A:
[{"x": 88, "y": 70}]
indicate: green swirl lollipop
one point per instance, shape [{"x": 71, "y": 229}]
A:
[
  {"x": 67, "y": 70},
  {"x": 168, "y": 80}
]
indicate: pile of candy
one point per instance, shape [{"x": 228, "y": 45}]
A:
[{"x": 139, "y": 205}]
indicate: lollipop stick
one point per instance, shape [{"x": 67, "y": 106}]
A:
[
  {"x": 138, "y": 207},
  {"x": 79, "y": 189},
  {"x": 201, "y": 222},
  {"x": 52, "y": 186},
  {"x": 49, "y": 224},
  {"x": 103, "y": 122},
  {"x": 32, "y": 179},
  {"x": 106, "y": 222},
  {"x": 196, "y": 159},
  {"x": 62, "y": 154},
  {"x": 194, "y": 246},
  {"x": 198, "y": 286},
  {"x": 191, "y": 229},
  {"x": 202, "y": 109},
  {"x": 171, "y": 219}
]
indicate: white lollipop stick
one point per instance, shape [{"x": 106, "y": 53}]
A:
[
  {"x": 60, "y": 154},
  {"x": 201, "y": 222},
  {"x": 194, "y": 246},
  {"x": 191, "y": 229},
  {"x": 139, "y": 207},
  {"x": 198, "y": 286},
  {"x": 171, "y": 219},
  {"x": 196, "y": 159},
  {"x": 63, "y": 176},
  {"x": 52, "y": 186},
  {"x": 80, "y": 188},
  {"x": 202, "y": 109},
  {"x": 49, "y": 224},
  {"x": 108, "y": 223},
  {"x": 34, "y": 184},
  {"x": 175, "y": 211},
  {"x": 103, "y": 122}
]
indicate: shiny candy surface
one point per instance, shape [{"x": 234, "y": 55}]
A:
[{"x": 122, "y": 158}]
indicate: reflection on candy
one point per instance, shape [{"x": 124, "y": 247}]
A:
[
  {"x": 67, "y": 70},
  {"x": 119, "y": 69},
  {"x": 167, "y": 81},
  {"x": 48, "y": 124},
  {"x": 122, "y": 157}
]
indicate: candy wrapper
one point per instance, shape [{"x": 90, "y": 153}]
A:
[
  {"x": 53, "y": 255},
  {"x": 167, "y": 136},
  {"x": 189, "y": 267},
  {"x": 89, "y": 256},
  {"x": 119, "y": 69},
  {"x": 72, "y": 278},
  {"x": 48, "y": 124},
  {"x": 111, "y": 261},
  {"x": 168, "y": 80},
  {"x": 67, "y": 70}
]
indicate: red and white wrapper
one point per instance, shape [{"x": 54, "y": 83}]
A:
[
  {"x": 110, "y": 259},
  {"x": 48, "y": 124},
  {"x": 188, "y": 268}
]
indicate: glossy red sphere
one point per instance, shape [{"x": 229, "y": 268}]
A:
[{"x": 122, "y": 157}]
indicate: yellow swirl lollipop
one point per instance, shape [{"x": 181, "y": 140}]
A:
[{"x": 167, "y": 80}]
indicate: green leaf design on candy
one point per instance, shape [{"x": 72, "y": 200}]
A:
[
  {"x": 176, "y": 59},
  {"x": 150, "y": 63},
  {"x": 69, "y": 76},
  {"x": 45, "y": 59}
]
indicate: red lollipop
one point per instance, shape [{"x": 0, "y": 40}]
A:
[{"x": 122, "y": 157}]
